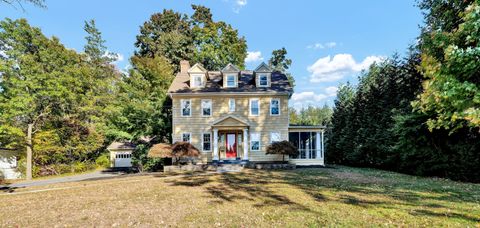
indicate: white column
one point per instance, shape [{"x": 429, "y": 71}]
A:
[
  {"x": 215, "y": 144},
  {"x": 323, "y": 149},
  {"x": 317, "y": 145},
  {"x": 245, "y": 144}
]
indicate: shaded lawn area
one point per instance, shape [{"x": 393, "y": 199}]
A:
[{"x": 304, "y": 197}]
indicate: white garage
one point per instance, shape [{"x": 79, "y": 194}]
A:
[
  {"x": 8, "y": 164},
  {"x": 121, "y": 154}
]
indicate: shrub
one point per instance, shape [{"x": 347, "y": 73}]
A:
[
  {"x": 103, "y": 161},
  {"x": 141, "y": 161},
  {"x": 283, "y": 148}
]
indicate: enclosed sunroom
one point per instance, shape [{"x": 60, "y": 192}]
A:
[{"x": 310, "y": 143}]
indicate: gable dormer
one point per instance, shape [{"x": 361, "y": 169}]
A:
[
  {"x": 263, "y": 75},
  {"x": 230, "y": 74},
  {"x": 198, "y": 76}
]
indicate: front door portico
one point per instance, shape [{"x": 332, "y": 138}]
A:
[{"x": 230, "y": 135}]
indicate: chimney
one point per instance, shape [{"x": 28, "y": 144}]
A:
[{"x": 184, "y": 66}]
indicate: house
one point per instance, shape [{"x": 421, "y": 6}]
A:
[
  {"x": 121, "y": 154},
  {"x": 233, "y": 115},
  {"x": 8, "y": 164}
]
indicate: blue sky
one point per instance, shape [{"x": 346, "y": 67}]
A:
[{"x": 330, "y": 42}]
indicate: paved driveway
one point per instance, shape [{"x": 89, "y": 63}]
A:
[{"x": 79, "y": 177}]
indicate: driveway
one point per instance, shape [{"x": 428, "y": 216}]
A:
[{"x": 79, "y": 177}]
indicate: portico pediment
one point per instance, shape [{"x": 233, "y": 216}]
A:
[{"x": 230, "y": 121}]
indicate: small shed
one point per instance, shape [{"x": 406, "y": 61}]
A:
[
  {"x": 121, "y": 154},
  {"x": 8, "y": 164}
]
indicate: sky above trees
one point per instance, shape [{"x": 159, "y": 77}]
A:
[{"x": 329, "y": 42}]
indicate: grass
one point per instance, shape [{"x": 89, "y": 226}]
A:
[{"x": 304, "y": 197}]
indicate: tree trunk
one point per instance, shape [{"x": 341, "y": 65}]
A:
[{"x": 29, "y": 152}]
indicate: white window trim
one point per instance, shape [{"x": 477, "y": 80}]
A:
[
  {"x": 259, "y": 141},
  {"x": 203, "y": 140},
  {"x": 189, "y": 137},
  {"x": 275, "y": 132},
  {"x": 211, "y": 107},
  {"x": 279, "y": 112},
  {"x": 234, "y": 105},
  {"x": 250, "y": 107},
  {"x": 235, "y": 81},
  {"x": 181, "y": 108},
  {"x": 268, "y": 81}
]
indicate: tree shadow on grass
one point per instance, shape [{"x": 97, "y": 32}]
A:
[
  {"x": 367, "y": 191},
  {"x": 245, "y": 186}
]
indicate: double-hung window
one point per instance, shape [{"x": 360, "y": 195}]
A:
[
  {"x": 231, "y": 105},
  {"x": 206, "y": 107},
  {"x": 207, "y": 142},
  {"x": 197, "y": 81},
  {"x": 186, "y": 107},
  {"x": 263, "y": 80},
  {"x": 254, "y": 107},
  {"x": 186, "y": 137},
  {"x": 275, "y": 107},
  {"x": 274, "y": 137},
  {"x": 255, "y": 141},
  {"x": 231, "y": 80}
]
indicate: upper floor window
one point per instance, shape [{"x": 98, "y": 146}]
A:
[
  {"x": 186, "y": 107},
  {"x": 263, "y": 80},
  {"x": 186, "y": 137},
  {"x": 231, "y": 80},
  {"x": 254, "y": 107},
  {"x": 197, "y": 80},
  {"x": 231, "y": 105},
  {"x": 206, "y": 107},
  {"x": 275, "y": 107}
]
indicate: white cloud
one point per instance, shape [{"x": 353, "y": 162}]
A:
[
  {"x": 316, "y": 46},
  {"x": 310, "y": 98},
  {"x": 254, "y": 56},
  {"x": 331, "y": 91},
  {"x": 239, "y": 4},
  {"x": 329, "y": 69}
]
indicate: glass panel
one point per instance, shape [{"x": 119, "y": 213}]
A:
[
  {"x": 231, "y": 105},
  {"x": 263, "y": 80},
  {"x": 231, "y": 80},
  {"x": 186, "y": 108},
  {"x": 206, "y": 107},
  {"x": 255, "y": 141},
  {"x": 274, "y": 107},
  {"x": 293, "y": 137},
  {"x": 275, "y": 137},
  {"x": 231, "y": 146},
  {"x": 314, "y": 145},
  {"x": 186, "y": 137},
  {"x": 254, "y": 107},
  {"x": 305, "y": 144},
  {"x": 207, "y": 145}
]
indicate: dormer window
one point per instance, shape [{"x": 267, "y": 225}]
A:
[
  {"x": 197, "y": 81},
  {"x": 231, "y": 80},
  {"x": 263, "y": 80}
]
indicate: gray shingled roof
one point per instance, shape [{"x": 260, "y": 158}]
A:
[{"x": 246, "y": 83}]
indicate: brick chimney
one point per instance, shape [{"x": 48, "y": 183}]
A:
[{"x": 184, "y": 66}]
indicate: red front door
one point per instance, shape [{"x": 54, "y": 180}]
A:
[{"x": 231, "y": 145}]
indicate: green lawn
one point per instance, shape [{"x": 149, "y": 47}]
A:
[{"x": 303, "y": 197}]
